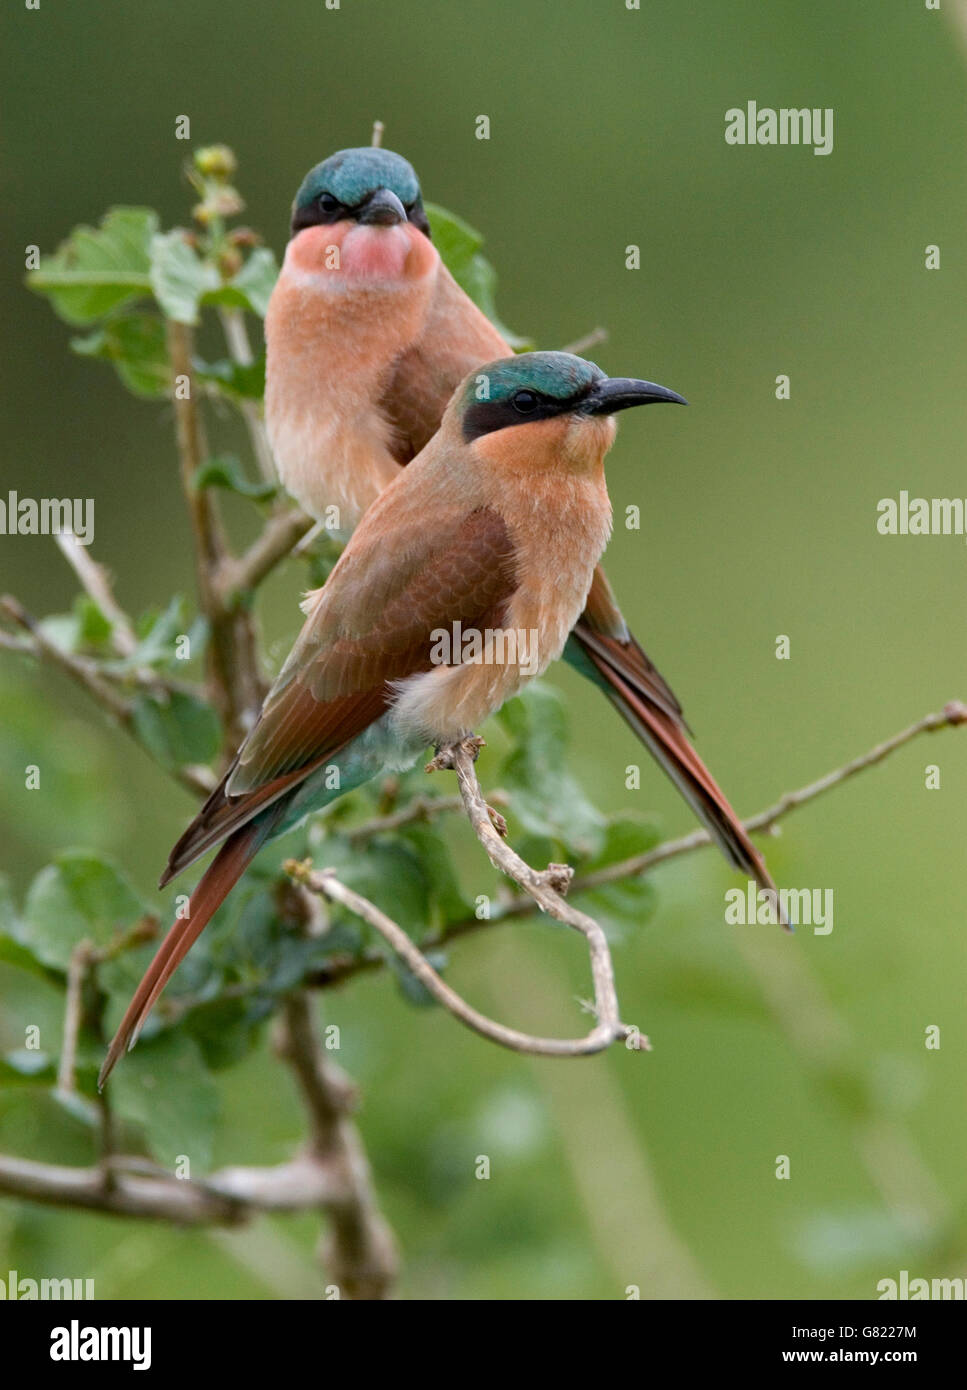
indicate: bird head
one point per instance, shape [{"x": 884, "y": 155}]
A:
[
  {"x": 365, "y": 202},
  {"x": 371, "y": 186},
  {"x": 546, "y": 404}
]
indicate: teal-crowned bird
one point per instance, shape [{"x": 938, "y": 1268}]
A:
[
  {"x": 368, "y": 334},
  {"x": 454, "y": 539}
]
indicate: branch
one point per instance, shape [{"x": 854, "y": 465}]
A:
[
  {"x": 94, "y": 580},
  {"x": 240, "y": 350},
  {"x": 547, "y": 888},
  {"x": 950, "y": 716},
  {"x": 228, "y": 1197},
  {"x": 342, "y": 968},
  {"x": 360, "y": 1253},
  {"x": 420, "y": 809},
  {"x": 86, "y": 674},
  {"x": 233, "y": 671},
  {"x": 589, "y": 340},
  {"x": 278, "y": 536}
]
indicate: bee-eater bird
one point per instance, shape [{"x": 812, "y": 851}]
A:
[
  {"x": 367, "y": 336},
  {"x": 497, "y": 525}
]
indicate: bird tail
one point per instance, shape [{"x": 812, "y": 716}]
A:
[
  {"x": 616, "y": 664},
  {"x": 219, "y": 879}
]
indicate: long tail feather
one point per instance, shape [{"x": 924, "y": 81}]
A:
[
  {"x": 219, "y": 879},
  {"x": 666, "y": 741}
]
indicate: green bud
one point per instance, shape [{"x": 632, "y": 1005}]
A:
[{"x": 216, "y": 162}]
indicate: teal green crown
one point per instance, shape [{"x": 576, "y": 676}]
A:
[
  {"x": 351, "y": 175},
  {"x": 558, "y": 375}
]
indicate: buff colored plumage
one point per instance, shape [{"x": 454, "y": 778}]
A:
[
  {"x": 454, "y": 538},
  {"x": 367, "y": 336}
]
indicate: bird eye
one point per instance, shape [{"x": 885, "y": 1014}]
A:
[
  {"x": 524, "y": 401},
  {"x": 328, "y": 204}
]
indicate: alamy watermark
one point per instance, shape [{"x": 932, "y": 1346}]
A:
[
  {"x": 491, "y": 646},
  {"x": 47, "y": 516},
  {"x": 789, "y": 125},
  {"x": 18, "y": 1288},
  {"x": 800, "y": 907},
  {"x": 921, "y": 516}
]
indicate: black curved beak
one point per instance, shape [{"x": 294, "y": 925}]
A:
[
  {"x": 622, "y": 392},
  {"x": 382, "y": 209}
]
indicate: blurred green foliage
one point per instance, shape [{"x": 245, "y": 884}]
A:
[{"x": 757, "y": 519}]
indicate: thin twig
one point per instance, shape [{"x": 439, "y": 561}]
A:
[
  {"x": 240, "y": 350},
  {"x": 87, "y": 675},
  {"x": 590, "y": 340},
  {"x": 276, "y": 540},
  {"x": 377, "y": 137},
  {"x": 77, "y": 969},
  {"x": 94, "y": 580},
  {"x": 607, "y": 1030},
  {"x": 233, "y": 671},
  {"x": 952, "y": 714},
  {"x": 420, "y": 809},
  {"x": 344, "y": 967},
  {"x": 360, "y": 1253},
  {"x": 226, "y": 1197}
]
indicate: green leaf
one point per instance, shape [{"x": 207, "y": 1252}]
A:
[
  {"x": 227, "y": 472},
  {"x": 156, "y": 632},
  {"x": 94, "y": 271},
  {"x": 13, "y": 952},
  {"x": 459, "y": 247},
  {"x": 26, "y": 1068},
  {"x": 447, "y": 901},
  {"x": 631, "y": 901},
  {"x": 178, "y": 729},
  {"x": 232, "y": 379},
  {"x": 389, "y": 873},
  {"x": 79, "y": 896},
  {"x": 251, "y": 287},
  {"x": 413, "y": 989},
  {"x": 164, "y": 1088},
  {"x": 547, "y": 799},
  {"x": 93, "y": 629},
  {"x": 179, "y": 277},
  {"x": 135, "y": 344}
]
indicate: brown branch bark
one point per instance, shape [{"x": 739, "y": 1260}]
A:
[
  {"x": 86, "y": 674},
  {"x": 952, "y": 715},
  {"x": 547, "y": 889},
  {"x": 235, "y": 684},
  {"x": 359, "y": 1251}
]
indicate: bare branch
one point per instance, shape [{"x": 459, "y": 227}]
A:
[
  {"x": 951, "y": 715},
  {"x": 342, "y": 968},
  {"x": 420, "y": 809},
  {"x": 240, "y": 350},
  {"x": 276, "y": 541},
  {"x": 377, "y": 138},
  {"x": 360, "y": 1252},
  {"x": 94, "y": 580},
  {"x": 77, "y": 969},
  {"x": 589, "y": 340},
  {"x": 547, "y": 888},
  {"x": 87, "y": 675},
  {"x": 227, "y": 1197},
  {"x": 233, "y": 671}
]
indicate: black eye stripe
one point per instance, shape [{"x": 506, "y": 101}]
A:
[{"x": 484, "y": 417}]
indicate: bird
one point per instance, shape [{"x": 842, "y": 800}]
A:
[
  {"x": 496, "y": 526},
  {"x": 367, "y": 335}
]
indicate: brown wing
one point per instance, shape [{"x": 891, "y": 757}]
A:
[
  {"x": 456, "y": 338},
  {"x": 371, "y": 626}
]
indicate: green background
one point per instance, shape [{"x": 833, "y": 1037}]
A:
[{"x": 758, "y": 519}]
